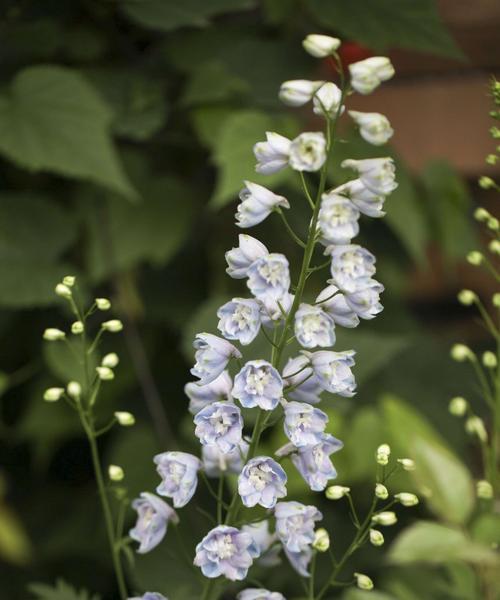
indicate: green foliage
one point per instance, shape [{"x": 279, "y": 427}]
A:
[
  {"x": 61, "y": 591},
  {"x": 15, "y": 546}
]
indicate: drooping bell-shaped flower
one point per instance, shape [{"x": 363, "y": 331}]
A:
[
  {"x": 262, "y": 481},
  {"x": 240, "y": 259},
  {"x": 153, "y": 516},
  {"x": 220, "y": 424},
  {"x": 314, "y": 464},
  {"x": 212, "y": 356},
  {"x": 179, "y": 474},
  {"x": 257, "y": 203},
  {"x": 368, "y": 74},
  {"x": 239, "y": 320},
  {"x": 272, "y": 155},
  {"x": 258, "y": 384}
]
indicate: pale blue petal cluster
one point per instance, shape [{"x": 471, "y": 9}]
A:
[
  {"x": 262, "y": 481},
  {"x": 153, "y": 516},
  {"x": 217, "y": 390},
  {"x": 364, "y": 199},
  {"x": 333, "y": 370},
  {"x": 258, "y": 384},
  {"x": 338, "y": 219},
  {"x": 376, "y": 174},
  {"x": 304, "y": 424},
  {"x": 220, "y": 424},
  {"x": 212, "y": 356},
  {"x": 350, "y": 265},
  {"x": 299, "y": 375},
  {"x": 216, "y": 463},
  {"x": 269, "y": 277},
  {"x": 257, "y": 203},
  {"x": 239, "y": 320},
  {"x": 314, "y": 327},
  {"x": 226, "y": 551},
  {"x": 314, "y": 464},
  {"x": 365, "y": 301},
  {"x": 333, "y": 302},
  {"x": 240, "y": 259},
  {"x": 150, "y": 596},
  {"x": 179, "y": 474},
  {"x": 259, "y": 594},
  {"x": 266, "y": 542}
]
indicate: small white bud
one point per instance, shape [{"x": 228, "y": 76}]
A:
[
  {"x": 376, "y": 537},
  {"x": 363, "y": 581},
  {"x": 105, "y": 373},
  {"x": 69, "y": 280},
  {"x": 458, "y": 406},
  {"x": 74, "y": 389},
  {"x": 103, "y": 303},
  {"x": 407, "y": 463},
  {"x": 406, "y": 499},
  {"x": 112, "y": 326},
  {"x": 495, "y": 299},
  {"x": 77, "y": 328},
  {"x": 484, "y": 490},
  {"x": 481, "y": 214},
  {"x": 383, "y": 453},
  {"x": 321, "y": 541},
  {"x": 486, "y": 182},
  {"x": 475, "y": 426},
  {"x": 461, "y": 353},
  {"x": 111, "y": 360},
  {"x": 320, "y": 46},
  {"x": 467, "y": 297},
  {"x": 53, "y": 394},
  {"x": 387, "y": 517},
  {"x": 53, "y": 335},
  {"x": 115, "y": 473},
  {"x": 63, "y": 290},
  {"x": 125, "y": 419},
  {"x": 475, "y": 258},
  {"x": 489, "y": 360},
  {"x": 493, "y": 224},
  {"x": 494, "y": 247},
  {"x": 336, "y": 492},
  {"x": 381, "y": 491}
]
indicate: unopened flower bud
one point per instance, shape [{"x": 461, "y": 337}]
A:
[
  {"x": 112, "y": 326},
  {"x": 381, "y": 491},
  {"x": 111, "y": 360},
  {"x": 383, "y": 453},
  {"x": 103, "y": 303},
  {"x": 53, "y": 394},
  {"x": 484, "y": 490},
  {"x": 320, "y": 46},
  {"x": 53, "y": 335},
  {"x": 458, "y": 406},
  {"x": 387, "y": 517},
  {"x": 496, "y": 300},
  {"x": 493, "y": 223},
  {"x": 486, "y": 182},
  {"x": 363, "y": 581},
  {"x": 335, "y": 492},
  {"x": 376, "y": 537},
  {"x": 407, "y": 463},
  {"x": 406, "y": 499},
  {"x": 321, "y": 541},
  {"x": 115, "y": 473},
  {"x": 69, "y": 280},
  {"x": 125, "y": 419},
  {"x": 105, "y": 373},
  {"x": 489, "y": 360},
  {"x": 461, "y": 353},
  {"x": 63, "y": 290},
  {"x": 467, "y": 297},
  {"x": 475, "y": 426},
  {"x": 491, "y": 159},
  {"x": 74, "y": 389},
  {"x": 77, "y": 327},
  {"x": 481, "y": 214},
  {"x": 494, "y": 247},
  {"x": 475, "y": 258}
]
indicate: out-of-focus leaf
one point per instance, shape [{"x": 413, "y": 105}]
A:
[
  {"x": 413, "y": 24},
  {"x": 51, "y": 119},
  {"x": 15, "y": 546},
  {"x": 233, "y": 152},
  {"x": 212, "y": 82},
  {"x": 208, "y": 121},
  {"x": 486, "y": 529},
  {"x": 168, "y": 16},
  {"x": 204, "y": 319},
  {"x": 63, "y": 360},
  {"x": 29, "y": 41},
  {"x": 4, "y": 382},
  {"x": 60, "y": 591},
  {"x": 430, "y": 542},
  {"x": 356, "y": 594}
]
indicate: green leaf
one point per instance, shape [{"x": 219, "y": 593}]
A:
[
  {"x": 383, "y": 24},
  {"x": 486, "y": 529},
  {"x": 15, "y": 546},
  {"x": 51, "y": 119},
  {"x": 430, "y": 542},
  {"x": 168, "y": 16},
  {"x": 356, "y": 594},
  {"x": 212, "y": 82},
  {"x": 233, "y": 152},
  {"x": 60, "y": 591}
]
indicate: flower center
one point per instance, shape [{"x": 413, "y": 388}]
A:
[
  {"x": 257, "y": 381},
  {"x": 225, "y": 547},
  {"x": 272, "y": 272},
  {"x": 220, "y": 422},
  {"x": 259, "y": 477},
  {"x": 176, "y": 472},
  {"x": 242, "y": 316}
]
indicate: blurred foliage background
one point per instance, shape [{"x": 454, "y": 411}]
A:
[{"x": 126, "y": 129}]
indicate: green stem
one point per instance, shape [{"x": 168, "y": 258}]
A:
[
  {"x": 312, "y": 577},
  {"x": 220, "y": 492},
  {"x": 291, "y": 232}
]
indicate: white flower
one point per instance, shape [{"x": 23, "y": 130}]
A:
[
  {"x": 333, "y": 371},
  {"x": 240, "y": 259},
  {"x": 273, "y": 310},
  {"x": 327, "y": 100},
  {"x": 373, "y": 127},
  {"x": 269, "y": 277},
  {"x": 367, "y": 202},
  {"x": 368, "y": 74},
  {"x": 377, "y": 174},
  {"x": 338, "y": 219},
  {"x": 212, "y": 356},
  {"x": 308, "y": 151},
  {"x": 365, "y": 301},
  {"x": 314, "y": 327},
  {"x": 350, "y": 264},
  {"x": 239, "y": 319},
  {"x": 333, "y": 302},
  {"x": 320, "y": 46},
  {"x": 298, "y": 91},
  {"x": 272, "y": 156},
  {"x": 257, "y": 203}
]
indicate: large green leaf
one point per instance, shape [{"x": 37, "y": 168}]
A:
[
  {"x": 383, "y": 24},
  {"x": 60, "y": 591},
  {"x": 51, "y": 119},
  {"x": 167, "y": 15},
  {"x": 15, "y": 546}
]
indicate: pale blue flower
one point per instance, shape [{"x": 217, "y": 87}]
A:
[
  {"x": 212, "y": 356},
  {"x": 219, "y": 424},
  {"x": 239, "y": 320},
  {"x": 314, "y": 327},
  {"x": 272, "y": 155},
  {"x": 269, "y": 277},
  {"x": 217, "y": 390},
  {"x": 150, "y": 596},
  {"x": 226, "y": 551},
  {"x": 299, "y": 375},
  {"x": 314, "y": 464},
  {"x": 350, "y": 265},
  {"x": 338, "y": 219},
  {"x": 364, "y": 199},
  {"x": 216, "y": 463},
  {"x": 153, "y": 516},
  {"x": 258, "y": 384},
  {"x": 262, "y": 481},
  {"x": 259, "y": 594},
  {"x": 333, "y": 370},
  {"x": 266, "y": 542},
  {"x": 257, "y": 203},
  {"x": 304, "y": 425},
  {"x": 377, "y": 174},
  {"x": 240, "y": 259},
  {"x": 365, "y": 301},
  {"x": 179, "y": 473},
  {"x": 333, "y": 302}
]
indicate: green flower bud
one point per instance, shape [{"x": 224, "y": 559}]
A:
[
  {"x": 475, "y": 426},
  {"x": 481, "y": 214},
  {"x": 491, "y": 159},
  {"x": 458, "y": 406},
  {"x": 69, "y": 280},
  {"x": 335, "y": 492},
  {"x": 103, "y": 303},
  {"x": 495, "y": 132},
  {"x": 467, "y": 297},
  {"x": 63, "y": 290},
  {"x": 125, "y": 419},
  {"x": 321, "y": 541},
  {"x": 113, "y": 326},
  {"x": 53, "y": 335},
  {"x": 406, "y": 499},
  {"x": 363, "y": 581},
  {"x": 77, "y": 328},
  {"x": 381, "y": 491},
  {"x": 493, "y": 224},
  {"x": 111, "y": 360},
  {"x": 475, "y": 258},
  {"x": 376, "y": 537},
  {"x": 386, "y": 518},
  {"x": 105, "y": 373},
  {"x": 494, "y": 247},
  {"x": 496, "y": 300},
  {"x": 115, "y": 473},
  {"x": 407, "y": 463},
  {"x": 484, "y": 490},
  {"x": 461, "y": 353},
  {"x": 489, "y": 360},
  {"x": 74, "y": 389},
  {"x": 486, "y": 182},
  {"x": 53, "y": 394}
]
